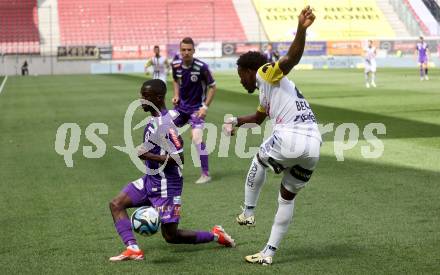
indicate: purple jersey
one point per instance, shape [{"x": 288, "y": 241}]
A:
[
  {"x": 161, "y": 137},
  {"x": 422, "y": 50},
  {"x": 193, "y": 82}
]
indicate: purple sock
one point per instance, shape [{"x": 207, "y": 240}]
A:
[
  {"x": 201, "y": 148},
  {"x": 123, "y": 227},
  {"x": 204, "y": 237}
]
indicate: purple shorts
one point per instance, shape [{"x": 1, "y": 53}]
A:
[
  {"x": 423, "y": 59},
  {"x": 193, "y": 119},
  {"x": 168, "y": 207}
]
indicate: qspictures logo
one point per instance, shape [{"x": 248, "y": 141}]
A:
[{"x": 346, "y": 137}]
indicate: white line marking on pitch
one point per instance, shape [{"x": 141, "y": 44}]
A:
[{"x": 3, "y": 84}]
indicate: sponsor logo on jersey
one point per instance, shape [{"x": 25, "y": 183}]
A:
[
  {"x": 177, "y": 200},
  {"x": 175, "y": 138}
]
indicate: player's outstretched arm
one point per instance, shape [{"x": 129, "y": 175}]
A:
[
  {"x": 230, "y": 123},
  {"x": 257, "y": 118},
  {"x": 293, "y": 56}
]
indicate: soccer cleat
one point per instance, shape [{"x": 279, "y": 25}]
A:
[
  {"x": 259, "y": 259},
  {"x": 426, "y": 77},
  {"x": 222, "y": 237},
  {"x": 203, "y": 179},
  {"x": 128, "y": 254},
  {"x": 243, "y": 220},
  {"x": 373, "y": 84},
  {"x": 367, "y": 85}
]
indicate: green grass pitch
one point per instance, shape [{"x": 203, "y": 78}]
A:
[{"x": 358, "y": 216}]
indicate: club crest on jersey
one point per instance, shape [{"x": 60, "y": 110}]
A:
[{"x": 194, "y": 78}]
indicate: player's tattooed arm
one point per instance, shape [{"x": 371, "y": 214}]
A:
[{"x": 293, "y": 56}]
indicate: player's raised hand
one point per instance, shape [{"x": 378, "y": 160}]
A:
[{"x": 306, "y": 17}]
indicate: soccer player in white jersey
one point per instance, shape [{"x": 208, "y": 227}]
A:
[
  {"x": 160, "y": 65},
  {"x": 292, "y": 149},
  {"x": 370, "y": 65}
]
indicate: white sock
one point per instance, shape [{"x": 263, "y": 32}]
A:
[
  {"x": 373, "y": 77},
  {"x": 134, "y": 247},
  {"x": 254, "y": 181},
  {"x": 280, "y": 225}
]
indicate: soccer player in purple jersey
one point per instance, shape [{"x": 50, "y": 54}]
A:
[
  {"x": 194, "y": 90},
  {"x": 422, "y": 53},
  {"x": 162, "y": 185}
]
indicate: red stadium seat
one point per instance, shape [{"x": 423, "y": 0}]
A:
[
  {"x": 19, "y": 27},
  {"x": 134, "y": 22}
]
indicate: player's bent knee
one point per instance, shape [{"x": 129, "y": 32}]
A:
[
  {"x": 257, "y": 159},
  {"x": 294, "y": 187},
  {"x": 196, "y": 140},
  {"x": 171, "y": 238},
  {"x": 116, "y": 205},
  {"x": 169, "y": 234}
]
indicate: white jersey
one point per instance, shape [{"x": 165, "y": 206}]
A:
[
  {"x": 159, "y": 67},
  {"x": 370, "y": 59},
  {"x": 370, "y": 54},
  {"x": 282, "y": 101}
]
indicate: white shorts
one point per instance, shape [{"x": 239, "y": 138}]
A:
[
  {"x": 370, "y": 66},
  {"x": 160, "y": 76},
  {"x": 295, "y": 155}
]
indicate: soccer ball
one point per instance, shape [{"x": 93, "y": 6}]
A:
[{"x": 145, "y": 221}]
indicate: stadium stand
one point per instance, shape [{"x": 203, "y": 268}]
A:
[
  {"x": 426, "y": 15},
  {"x": 134, "y": 22},
  {"x": 414, "y": 14},
  {"x": 434, "y": 8},
  {"x": 19, "y": 26}
]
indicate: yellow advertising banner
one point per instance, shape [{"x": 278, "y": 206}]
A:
[{"x": 335, "y": 19}]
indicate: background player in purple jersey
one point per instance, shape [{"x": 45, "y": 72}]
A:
[
  {"x": 194, "y": 90},
  {"x": 162, "y": 146},
  {"x": 422, "y": 53},
  {"x": 271, "y": 55}
]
